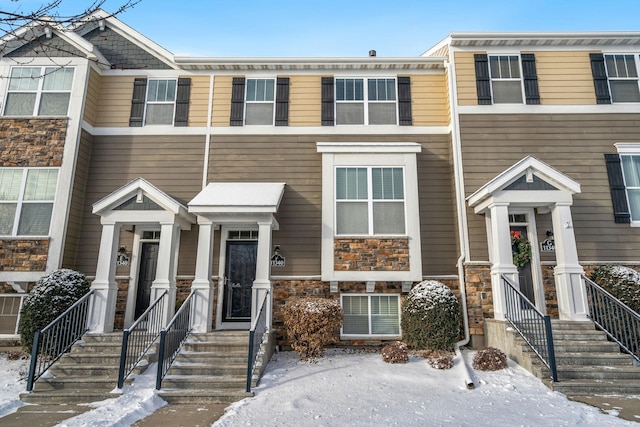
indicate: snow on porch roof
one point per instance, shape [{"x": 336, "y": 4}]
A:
[{"x": 238, "y": 197}]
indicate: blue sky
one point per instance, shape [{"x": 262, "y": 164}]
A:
[{"x": 241, "y": 28}]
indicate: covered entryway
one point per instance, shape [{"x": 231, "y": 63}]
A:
[
  {"x": 510, "y": 203},
  {"x": 240, "y": 272}
]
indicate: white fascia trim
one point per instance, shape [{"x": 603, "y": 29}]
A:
[
  {"x": 437, "y": 46},
  {"x": 144, "y": 130},
  {"x": 628, "y": 147},
  {"x": 626, "y": 107},
  {"x": 21, "y": 276},
  {"x": 368, "y": 147}
]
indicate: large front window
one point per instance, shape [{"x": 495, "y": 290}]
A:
[
  {"x": 26, "y": 200},
  {"x": 259, "y": 103},
  {"x": 161, "y": 100},
  {"x": 39, "y": 91},
  {"x": 506, "y": 81},
  {"x": 371, "y": 315},
  {"x": 631, "y": 172},
  {"x": 370, "y": 200},
  {"x": 623, "y": 78},
  {"x": 366, "y": 101}
]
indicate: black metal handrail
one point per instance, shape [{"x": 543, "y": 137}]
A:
[
  {"x": 172, "y": 337},
  {"x": 257, "y": 334},
  {"x": 138, "y": 338},
  {"x": 57, "y": 337},
  {"x": 533, "y": 326},
  {"x": 619, "y": 321}
]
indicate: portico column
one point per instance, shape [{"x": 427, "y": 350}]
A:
[
  {"x": 501, "y": 256},
  {"x": 262, "y": 283},
  {"x": 202, "y": 285},
  {"x": 572, "y": 296},
  {"x": 166, "y": 269},
  {"x": 105, "y": 290}
]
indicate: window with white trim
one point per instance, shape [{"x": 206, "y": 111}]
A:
[
  {"x": 161, "y": 101},
  {"x": 631, "y": 174},
  {"x": 369, "y": 201},
  {"x": 39, "y": 91},
  {"x": 370, "y": 315},
  {"x": 366, "y": 101},
  {"x": 622, "y": 73},
  {"x": 259, "y": 102},
  {"x": 26, "y": 200},
  {"x": 506, "y": 79}
]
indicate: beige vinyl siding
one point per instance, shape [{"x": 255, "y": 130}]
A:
[
  {"x": 199, "y": 100},
  {"x": 221, "y": 100},
  {"x": 429, "y": 104},
  {"x": 466, "y": 78},
  {"x": 564, "y": 78},
  {"x": 114, "y": 107},
  {"x": 574, "y": 145},
  {"x": 305, "y": 101},
  {"x": 171, "y": 163},
  {"x": 93, "y": 97}
]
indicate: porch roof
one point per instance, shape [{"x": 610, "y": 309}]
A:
[{"x": 238, "y": 197}]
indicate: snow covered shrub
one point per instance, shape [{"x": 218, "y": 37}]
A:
[
  {"x": 49, "y": 298},
  {"x": 444, "y": 361},
  {"x": 311, "y": 324},
  {"x": 621, "y": 282},
  {"x": 431, "y": 317},
  {"x": 489, "y": 359},
  {"x": 395, "y": 353}
]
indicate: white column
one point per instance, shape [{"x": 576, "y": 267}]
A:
[
  {"x": 570, "y": 289},
  {"x": 166, "y": 269},
  {"x": 262, "y": 283},
  {"x": 501, "y": 256},
  {"x": 105, "y": 290},
  {"x": 202, "y": 284}
]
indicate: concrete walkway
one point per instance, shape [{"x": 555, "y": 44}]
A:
[{"x": 628, "y": 408}]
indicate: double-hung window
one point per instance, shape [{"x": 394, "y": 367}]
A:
[
  {"x": 506, "y": 81},
  {"x": 622, "y": 73},
  {"x": 259, "y": 101},
  {"x": 366, "y": 101},
  {"x": 371, "y": 314},
  {"x": 26, "y": 200},
  {"x": 631, "y": 173},
  {"x": 161, "y": 101},
  {"x": 39, "y": 91},
  {"x": 370, "y": 201}
]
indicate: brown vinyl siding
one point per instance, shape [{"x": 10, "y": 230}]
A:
[
  {"x": 115, "y": 101},
  {"x": 565, "y": 78},
  {"x": 92, "y": 99},
  {"x": 574, "y": 144},
  {"x": 466, "y": 78},
  {"x": 221, "y": 100},
  {"x": 199, "y": 102},
  {"x": 305, "y": 101},
  {"x": 429, "y": 100}
]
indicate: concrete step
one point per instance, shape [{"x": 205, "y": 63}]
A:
[
  {"x": 65, "y": 396},
  {"x": 585, "y": 346},
  {"x": 95, "y": 383},
  {"x": 203, "y": 396},
  {"x": 216, "y": 348},
  {"x": 599, "y": 372},
  {"x": 581, "y": 387},
  {"x": 112, "y": 337},
  {"x": 558, "y": 325},
  {"x": 578, "y": 335},
  {"x": 96, "y": 347},
  {"x": 204, "y": 382},
  {"x": 180, "y": 368},
  {"x": 213, "y": 358},
  {"x": 594, "y": 358},
  {"x": 74, "y": 369},
  {"x": 91, "y": 358}
]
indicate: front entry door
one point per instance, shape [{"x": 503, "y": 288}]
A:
[
  {"x": 240, "y": 272},
  {"x": 525, "y": 275},
  {"x": 146, "y": 275}
]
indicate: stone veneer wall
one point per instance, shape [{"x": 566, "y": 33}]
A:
[
  {"x": 367, "y": 254},
  {"x": 32, "y": 142},
  {"x": 23, "y": 255},
  {"x": 479, "y": 299}
]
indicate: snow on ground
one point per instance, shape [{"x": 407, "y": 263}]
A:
[{"x": 353, "y": 388}]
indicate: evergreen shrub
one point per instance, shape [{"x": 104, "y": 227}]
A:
[{"x": 621, "y": 282}]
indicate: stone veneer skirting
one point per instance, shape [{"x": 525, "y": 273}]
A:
[
  {"x": 32, "y": 142},
  {"x": 371, "y": 254},
  {"x": 23, "y": 255}
]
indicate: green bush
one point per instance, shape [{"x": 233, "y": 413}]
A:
[
  {"x": 621, "y": 282},
  {"x": 49, "y": 298},
  {"x": 311, "y": 324},
  {"x": 431, "y": 317}
]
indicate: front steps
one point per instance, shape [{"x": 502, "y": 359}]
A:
[
  {"x": 210, "y": 368},
  {"x": 88, "y": 373},
  {"x": 586, "y": 361}
]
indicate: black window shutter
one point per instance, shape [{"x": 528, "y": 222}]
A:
[
  {"x": 618, "y": 193},
  {"x": 600, "y": 81},
  {"x": 282, "y": 101},
  {"x": 530, "y": 75},
  {"x": 483, "y": 81},
  {"x": 137, "y": 102},
  {"x": 328, "y": 95},
  {"x": 182, "y": 102},
  {"x": 237, "y": 102},
  {"x": 404, "y": 101}
]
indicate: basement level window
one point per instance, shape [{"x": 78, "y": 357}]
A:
[{"x": 377, "y": 315}]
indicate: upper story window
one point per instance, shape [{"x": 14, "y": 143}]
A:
[
  {"x": 370, "y": 201},
  {"x": 366, "y": 101},
  {"x": 39, "y": 91},
  {"x": 506, "y": 80},
  {"x": 259, "y": 102},
  {"x": 161, "y": 101},
  {"x": 631, "y": 173},
  {"x": 623, "y": 78},
  {"x": 26, "y": 200}
]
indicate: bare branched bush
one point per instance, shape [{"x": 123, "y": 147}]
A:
[
  {"x": 490, "y": 359},
  {"x": 396, "y": 352},
  {"x": 312, "y": 324}
]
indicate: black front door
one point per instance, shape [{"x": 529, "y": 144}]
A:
[
  {"x": 146, "y": 275},
  {"x": 240, "y": 272},
  {"x": 525, "y": 276}
]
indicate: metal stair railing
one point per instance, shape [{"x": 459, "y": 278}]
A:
[
  {"x": 57, "y": 337},
  {"x": 140, "y": 336},
  {"x": 614, "y": 317},
  {"x": 257, "y": 333},
  {"x": 173, "y": 336},
  {"x": 533, "y": 326}
]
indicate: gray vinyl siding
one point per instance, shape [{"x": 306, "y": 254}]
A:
[{"x": 575, "y": 145}]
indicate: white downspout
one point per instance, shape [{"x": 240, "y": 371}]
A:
[
  {"x": 207, "y": 137},
  {"x": 462, "y": 213}
]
